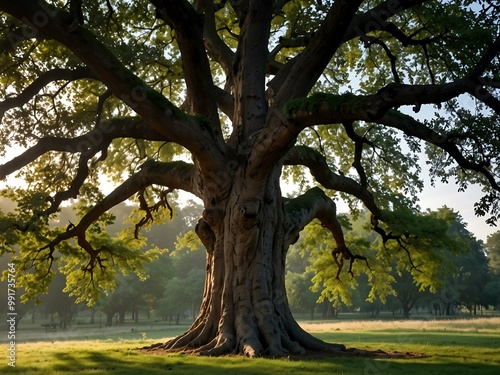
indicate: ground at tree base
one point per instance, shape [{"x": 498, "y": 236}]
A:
[{"x": 308, "y": 355}]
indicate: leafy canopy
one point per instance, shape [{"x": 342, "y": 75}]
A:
[{"x": 126, "y": 91}]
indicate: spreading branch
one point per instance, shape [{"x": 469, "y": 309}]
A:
[
  {"x": 42, "y": 81},
  {"x": 315, "y": 204},
  {"x": 174, "y": 175},
  {"x": 94, "y": 141},
  {"x": 318, "y": 166},
  {"x": 153, "y": 107}
]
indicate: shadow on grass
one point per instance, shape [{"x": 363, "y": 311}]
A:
[
  {"x": 123, "y": 362},
  {"x": 403, "y": 338}
]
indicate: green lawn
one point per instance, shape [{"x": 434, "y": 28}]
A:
[{"x": 458, "y": 348}]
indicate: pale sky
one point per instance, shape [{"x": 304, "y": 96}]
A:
[{"x": 463, "y": 202}]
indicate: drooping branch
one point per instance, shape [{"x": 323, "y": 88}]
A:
[
  {"x": 318, "y": 166},
  {"x": 42, "y": 81},
  {"x": 390, "y": 55},
  {"x": 316, "y": 204},
  {"x": 359, "y": 142},
  {"x": 149, "y": 210},
  {"x": 174, "y": 175}
]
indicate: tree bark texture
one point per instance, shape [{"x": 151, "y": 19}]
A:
[{"x": 244, "y": 308}]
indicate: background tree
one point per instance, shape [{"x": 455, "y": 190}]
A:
[
  {"x": 300, "y": 297},
  {"x": 407, "y": 293},
  {"x": 122, "y": 89},
  {"x": 61, "y": 308},
  {"x": 493, "y": 252}
]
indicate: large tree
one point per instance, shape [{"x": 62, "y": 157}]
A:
[{"x": 252, "y": 90}]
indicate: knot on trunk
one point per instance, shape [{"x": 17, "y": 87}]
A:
[
  {"x": 206, "y": 235},
  {"x": 250, "y": 209},
  {"x": 212, "y": 216}
]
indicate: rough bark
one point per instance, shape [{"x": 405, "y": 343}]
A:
[{"x": 245, "y": 309}]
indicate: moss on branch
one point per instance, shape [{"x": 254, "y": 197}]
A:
[
  {"x": 166, "y": 167},
  {"x": 304, "y": 201},
  {"x": 315, "y": 101}
]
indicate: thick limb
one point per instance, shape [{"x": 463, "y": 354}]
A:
[
  {"x": 318, "y": 166},
  {"x": 316, "y": 204},
  {"x": 176, "y": 175}
]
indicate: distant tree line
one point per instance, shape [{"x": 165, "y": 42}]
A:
[
  {"x": 470, "y": 281},
  {"x": 174, "y": 287}
]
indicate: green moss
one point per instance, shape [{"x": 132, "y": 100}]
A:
[
  {"x": 395, "y": 113},
  {"x": 162, "y": 167},
  {"x": 313, "y": 102},
  {"x": 305, "y": 200}
]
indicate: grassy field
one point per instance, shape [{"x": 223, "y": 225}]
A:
[{"x": 456, "y": 347}]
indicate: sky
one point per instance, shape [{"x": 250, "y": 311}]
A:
[{"x": 463, "y": 202}]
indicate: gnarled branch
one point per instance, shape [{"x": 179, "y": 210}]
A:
[
  {"x": 174, "y": 175},
  {"x": 315, "y": 204},
  {"x": 38, "y": 84},
  {"x": 318, "y": 166}
]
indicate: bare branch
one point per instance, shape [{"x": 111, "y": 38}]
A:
[{"x": 43, "y": 80}]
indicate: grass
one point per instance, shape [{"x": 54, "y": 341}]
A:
[{"x": 450, "y": 347}]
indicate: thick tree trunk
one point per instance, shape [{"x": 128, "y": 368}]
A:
[{"x": 245, "y": 308}]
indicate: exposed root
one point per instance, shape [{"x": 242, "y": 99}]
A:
[{"x": 328, "y": 351}]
